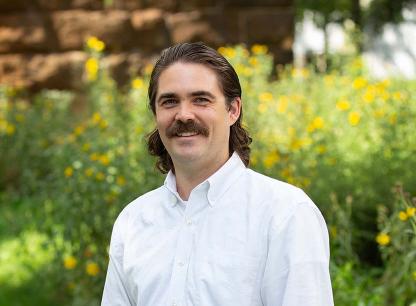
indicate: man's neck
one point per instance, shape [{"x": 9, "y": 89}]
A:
[{"x": 190, "y": 175}]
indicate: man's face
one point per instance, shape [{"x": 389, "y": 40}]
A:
[{"x": 192, "y": 116}]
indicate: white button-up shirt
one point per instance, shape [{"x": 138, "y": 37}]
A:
[{"x": 241, "y": 239}]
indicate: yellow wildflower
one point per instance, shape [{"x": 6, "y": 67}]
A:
[
  {"x": 282, "y": 104},
  {"x": 100, "y": 176},
  {"x": 266, "y": 97},
  {"x": 368, "y": 96},
  {"x": 79, "y": 130},
  {"x": 10, "y": 129},
  {"x": 321, "y": 149},
  {"x": 92, "y": 269},
  {"x": 397, "y": 95},
  {"x": 271, "y": 159},
  {"x": 103, "y": 124},
  {"x": 414, "y": 275},
  {"x": 137, "y": 83},
  {"x": 227, "y": 52},
  {"x": 89, "y": 172},
  {"x": 329, "y": 80},
  {"x": 104, "y": 159},
  {"x": 70, "y": 262},
  {"x": 121, "y": 181},
  {"x": 383, "y": 239},
  {"x": 354, "y": 118},
  {"x": 359, "y": 83},
  {"x": 343, "y": 105},
  {"x": 94, "y": 156},
  {"x": 68, "y": 171},
  {"x": 147, "y": 70},
  {"x": 253, "y": 61},
  {"x": 403, "y": 216},
  {"x": 379, "y": 113},
  {"x": 86, "y": 147},
  {"x": 410, "y": 211},
  {"x": 259, "y": 49},
  {"x": 300, "y": 73},
  {"x": 96, "y": 118},
  {"x": 91, "y": 67},
  {"x": 20, "y": 118},
  {"x": 95, "y": 44},
  {"x": 393, "y": 119},
  {"x": 318, "y": 123},
  {"x": 262, "y": 108}
]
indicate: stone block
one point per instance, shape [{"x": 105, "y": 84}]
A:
[
  {"x": 42, "y": 5},
  {"x": 150, "y": 31},
  {"x": 191, "y": 27},
  {"x": 268, "y": 26},
  {"x": 57, "y": 71},
  {"x": 24, "y": 32},
  {"x": 75, "y": 26}
]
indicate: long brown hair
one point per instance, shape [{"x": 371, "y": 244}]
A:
[{"x": 198, "y": 53}]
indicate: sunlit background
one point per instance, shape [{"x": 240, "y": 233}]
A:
[{"x": 329, "y": 97}]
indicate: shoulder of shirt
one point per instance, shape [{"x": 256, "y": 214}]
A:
[
  {"x": 142, "y": 203},
  {"x": 279, "y": 198}
]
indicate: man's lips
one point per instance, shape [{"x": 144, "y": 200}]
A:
[{"x": 187, "y": 134}]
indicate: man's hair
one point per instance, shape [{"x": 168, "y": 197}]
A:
[{"x": 198, "y": 53}]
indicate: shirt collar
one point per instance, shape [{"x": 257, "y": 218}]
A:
[{"x": 218, "y": 183}]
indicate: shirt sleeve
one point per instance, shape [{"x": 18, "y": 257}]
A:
[
  {"x": 297, "y": 265},
  {"x": 115, "y": 289}
]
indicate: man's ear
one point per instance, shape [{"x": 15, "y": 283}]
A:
[{"x": 234, "y": 110}]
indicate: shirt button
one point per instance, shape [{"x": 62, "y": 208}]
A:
[
  {"x": 180, "y": 264},
  {"x": 189, "y": 222}
]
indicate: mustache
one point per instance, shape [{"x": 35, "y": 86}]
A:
[{"x": 190, "y": 126}]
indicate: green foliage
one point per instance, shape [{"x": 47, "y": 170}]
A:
[{"x": 66, "y": 173}]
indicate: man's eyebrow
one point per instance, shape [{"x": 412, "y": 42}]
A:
[
  {"x": 167, "y": 95},
  {"x": 202, "y": 93}
]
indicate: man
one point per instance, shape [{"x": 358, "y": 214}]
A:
[{"x": 216, "y": 233}]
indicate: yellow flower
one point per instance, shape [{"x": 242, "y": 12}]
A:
[
  {"x": 10, "y": 129},
  {"x": 321, "y": 149},
  {"x": 253, "y": 61},
  {"x": 70, "y": 262},
  {"x": 300, "y": 73},
  {"x": 329, "y": 80},
  {"x": 104, "y": 159},
  {"x": 343, "y": 105},
  {"x": 271, "y": 159},
  {"x": 318, "y": 123},
  {"x": 91, "y": 67},
  {"x": 403, "y": 216},
  {"x": 397, "y": 95},
  {"x": 282, "y": 104},
  {"x": 121, "y": 181},
  {"x": 68, "y": 171},
  {"x": 103, "y": 124},
  {"x": 414, "y": 275},
  {"x": 100, "y": 176},
  {"x": 383, "y": 239},
  {"x": 89, "y": 172},
  {"x": 359, "y": 82},
  {"x": 92, "y": 269},
  {"x": 410, "y": 211},
  {"x": 94, "y": 156},
  {"x": 262, "y": 108},
  {"x": 86, "y": 147},
  {"x": 137, "y": 83},
  {"x": 393, "y": 119},
  {"x": 96, "y": 118},
  {"x": 79, "y": 130},
  {"x": 368, "y": 96},
  {"x": 227, "y": 52},
  {"x": 259, "y": 49},
  {"x": 147, "y": 70},
  {"x": 354, "y": 118},
  {"x": 266, "y": 97},
  {"x": 95, "y": 44}
]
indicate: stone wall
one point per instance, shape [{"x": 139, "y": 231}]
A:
[{"x": 42, "y": 41}]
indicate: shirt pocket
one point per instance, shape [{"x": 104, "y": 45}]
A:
[{"x": 226, "y": 278}]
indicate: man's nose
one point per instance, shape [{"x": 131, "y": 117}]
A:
[{"x": 185, "y": 112}]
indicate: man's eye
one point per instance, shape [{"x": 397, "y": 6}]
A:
[
  {"x": 169, "y": 102},
  {"x": 201, "y": 100}
]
